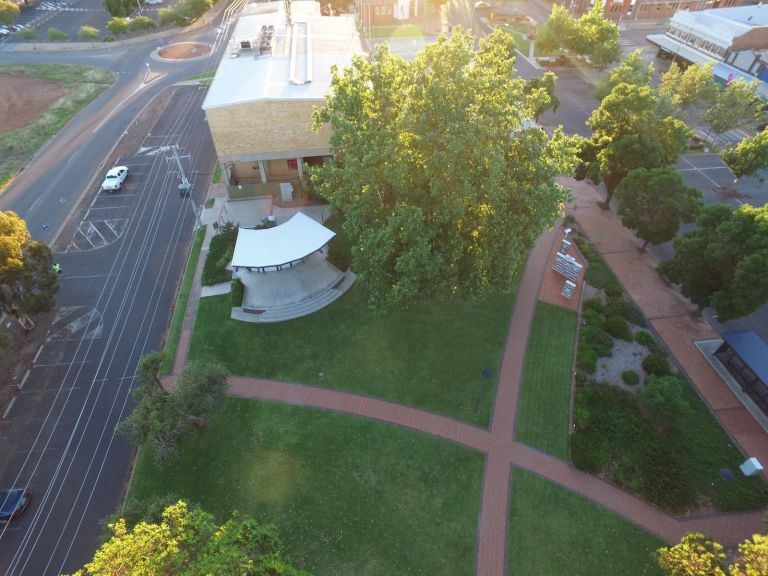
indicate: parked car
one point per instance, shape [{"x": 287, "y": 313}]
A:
[
  {"x": 115, "y": 178},
  {"x": 12, "y": 503},
  {"x": 153, "y": 1},
  {"x": 4, "y": 31}
]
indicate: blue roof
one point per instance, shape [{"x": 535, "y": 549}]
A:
[{"x": 750, "y": 348}]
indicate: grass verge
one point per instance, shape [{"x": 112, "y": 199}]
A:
[
  {"x": 545, "y": 394},
  {"x": 174, "y": 331},
  {"x": 349, "y": 495},
  {"x": 431, "y": 355},
  {"x": 553, "y": 531},
  {"x": 83, "y": 85}
]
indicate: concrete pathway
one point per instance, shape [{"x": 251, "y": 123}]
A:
[{"x": 502, "y": 452}]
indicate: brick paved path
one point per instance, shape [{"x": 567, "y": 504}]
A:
[{"x": 502, "y": 452}]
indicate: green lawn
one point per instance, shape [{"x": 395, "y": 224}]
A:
[
  {"x": 350, "y": 496},
  {"x": 545, "y": 393},
  {"x": 431, "y": 355},
  {"x": 553, "y": 531},
  {"x": 174, "y": 331}
]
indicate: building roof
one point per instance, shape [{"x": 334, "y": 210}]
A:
[
  {"x": 721, "y": 25},
  {"x": 750, "y": 348},
  {"x": 674, "y": 46},
  {"x": 308, "y": 50},
  {"x": 278, "y": 246}
]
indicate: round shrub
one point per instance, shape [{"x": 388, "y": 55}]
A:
[
  {"x": 117, "y": 26},
  {"x": 595, "y": 304},
  {"x": 586, "y": 359},
  {"x": 656, "y": 364},
  {"x": 27, "y": 34},
  {"x": 56, "y": 35},
  {"x": 88, "y": 33},
  {"x": 645, "y": 338},
  {"x": 108, "y": 38},
  {"x": 141, "y": 23},
  {"x": 617, "y": 327},
  {"x": 614, "y": 291},
  {"x": 614, "y": 308},
  {"x": 597, "y": 339},
  {"x": 630, "y": 377}
]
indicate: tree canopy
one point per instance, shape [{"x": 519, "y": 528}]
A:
[
  {"x": 542, "y": 91},
  {"x": 735, "y": 106},
  {"x": 699, "y": 555},
  {"x": 654, "y": 202},
  {"x": 631, "y": 129},
  {"x": 749, "y": 157},
  {"x": 723, "y": 263},
  {"x": 592, "y": 35},
  {"x": 188, "y": 542},
  {"x": 443, "y": 183},
  {"x": 693, "y": 86},
  {"x": 9, "y": 11},
  {"x": 632, "y": 70},
  {"x": 28, "y": 283},
  {"x": 162, "y": 418}
]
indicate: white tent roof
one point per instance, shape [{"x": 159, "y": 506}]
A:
[{"x": 288, "y": 242}]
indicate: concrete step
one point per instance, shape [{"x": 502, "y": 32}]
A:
[{"x": 303, "y": 308}]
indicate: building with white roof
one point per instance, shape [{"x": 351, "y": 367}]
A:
[
  {"x": 259, "y": 105},
  {"x": 734, "y": 39}
]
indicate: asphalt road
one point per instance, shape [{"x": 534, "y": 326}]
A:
[{"x": 121, "y": 265}]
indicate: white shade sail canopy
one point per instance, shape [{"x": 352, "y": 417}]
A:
[{"x": 279, "y": 246}]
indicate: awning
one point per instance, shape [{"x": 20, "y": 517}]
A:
[
  {"x": 281, "y": 245},
  {"x": 679, "y": 49}
]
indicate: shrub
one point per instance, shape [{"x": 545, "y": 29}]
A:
[
  {"x": 581, "y": 377},
  {"x": 170, "y": 17},
  {"x": 88, "y": 33},
  {"x": 56, "y": 35},
  {"x": 108, "y": 38},
  {"x": 586, "y": 359},
  {"x": 219, "y": 254},
  {"x": 656, "y": 364},
  {"x": 595, "y": 304},
  {"x": 617, "y": 327},
  {"x": 27, "y": 34},
  {"x": 191, "y": 9},
  {"x": 614, "y": 291},
  {"x": 236, "y": 293},
  {"x": 630, "y": 377},
  {"x": 598, "y": 274},
  {"x": 597, "y": 339},
  {"x": 118, "y": 25},
  {"x": 632, "y": 314},
  {"x": 645, "y": 339},
  {"x": 120, "y": 8},
  {"x": 614, "y": 308},
  {"x": 141, "y": 23}
]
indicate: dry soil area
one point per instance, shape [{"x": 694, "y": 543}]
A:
[
  {"x": 184, "y": 50},
  {"x": 22, "y": 99}
]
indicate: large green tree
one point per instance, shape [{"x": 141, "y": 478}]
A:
[
  {"x": 443, "y": 184},
  {"x": 687, "y": 88},
  {"x": 558, "y": 33},
  {"x": 28, "y": 283},
  {"x": 189, "y": 542},
  {"x": 630, "y": 129},
  {"x": 749, "y": 157},
  {"x": 162, "y": 418},
  {"x": 654, "y": 202},
  {"x": 597, "y": 37},
  {"x": 735, "y": 106},
  {"x": 723, "y": 263}
]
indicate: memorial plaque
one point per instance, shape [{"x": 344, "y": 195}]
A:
[
  {"x": 567, "y": 266},
  {"x": 568, "y": 289}
]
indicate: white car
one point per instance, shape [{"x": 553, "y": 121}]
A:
[
  {"x": 115, "y": 178},
  {"x": 4, "y": 31}
]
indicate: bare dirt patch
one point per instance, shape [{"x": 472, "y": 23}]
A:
[
  {"x": 23, "y": 99},
  {"x": 184, "y": 50}
]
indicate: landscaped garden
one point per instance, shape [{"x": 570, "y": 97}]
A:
[
  {"x": 638, "y": 420},
  {"x": 545, "y": 392},
  {"x": 348, "y": 495},
  {"x": 553, "y": 531}
]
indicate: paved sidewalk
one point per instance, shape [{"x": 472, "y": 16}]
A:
[{"x": 669, "y": 313}]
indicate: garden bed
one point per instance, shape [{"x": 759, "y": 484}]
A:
[{"x": 638, "y": 421}]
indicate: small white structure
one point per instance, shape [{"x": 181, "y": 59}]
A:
[
  {"x": 283, "y": 246},
  {"x": 751, "y": 467}
]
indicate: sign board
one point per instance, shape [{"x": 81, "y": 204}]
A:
[
  {"x": 567, "y": 266},
  {"x": 568, "y": 289}
]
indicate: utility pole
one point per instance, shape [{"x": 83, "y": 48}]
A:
[{"x": 186, "y": 186}]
